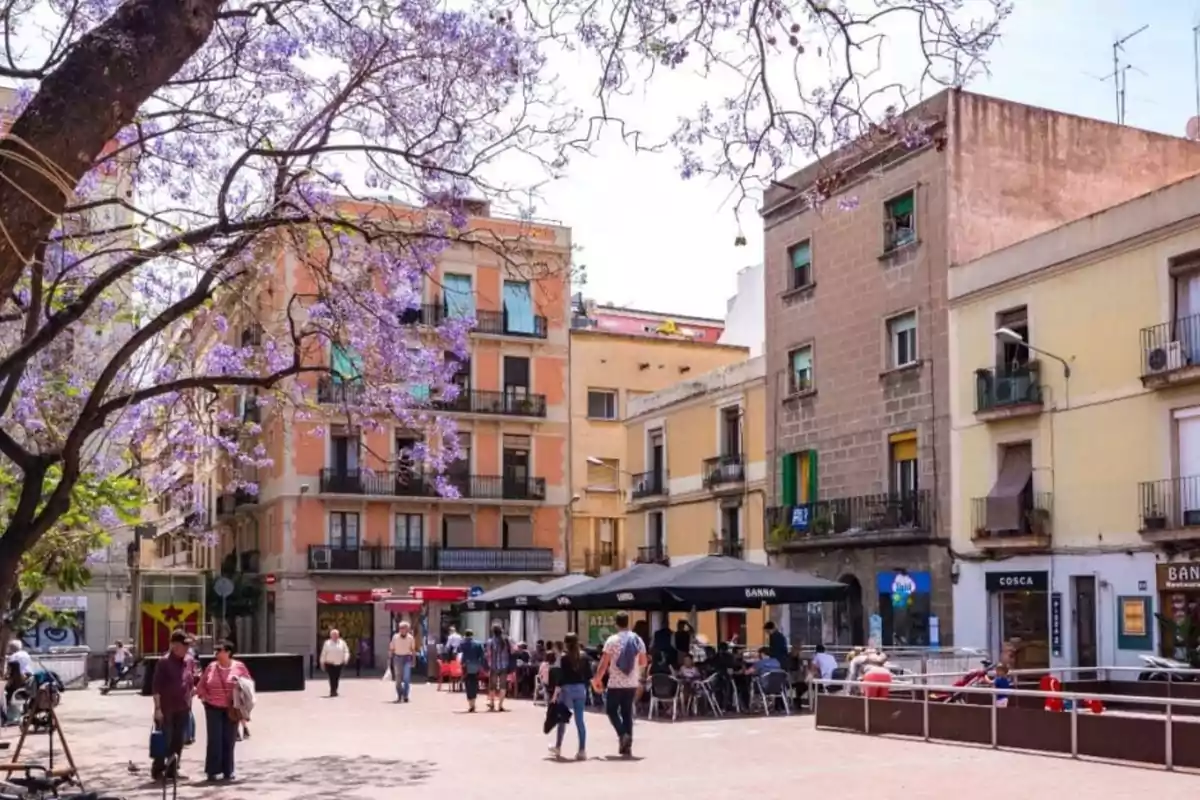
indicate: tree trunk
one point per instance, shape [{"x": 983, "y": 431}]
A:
[
  {"x": 8, "y": 584},
  {"x": 80, "y": 107}
]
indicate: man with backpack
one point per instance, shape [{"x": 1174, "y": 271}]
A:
[
  {"x": 472, "y": 659},
  {"x": 623, "y": 661}
]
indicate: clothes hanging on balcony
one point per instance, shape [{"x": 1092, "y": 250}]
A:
[
  {"x": 419, "y": 393},
  {"x": 460, "y": 298},
  {"x": 518, "y": 307},
  {"x": 1005, "y": 509},
  {"x": 345, "y": 364}
]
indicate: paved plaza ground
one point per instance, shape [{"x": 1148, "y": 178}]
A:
[{"x": 361, "y": 746}]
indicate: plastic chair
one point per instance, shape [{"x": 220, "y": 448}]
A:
[
  {"x": 664, "y": 690},
  {"x": 706, "y": 690},
  {"x": 451, "y": 671},
  {"x": 774, "y": 685}
]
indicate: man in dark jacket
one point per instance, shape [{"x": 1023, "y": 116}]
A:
[
  {"x": 174, "y": 682},
  {"x": 777, "y": 643}
]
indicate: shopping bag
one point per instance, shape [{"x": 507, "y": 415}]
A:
[
  {"x": 387, "y": 673},
  {"x": 158, "y": 743}
]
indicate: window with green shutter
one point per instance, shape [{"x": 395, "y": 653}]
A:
[
  {"x": 900, "y": 221},
  {"x": 800, "y": 256}
]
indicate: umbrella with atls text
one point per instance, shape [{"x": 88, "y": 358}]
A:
[
  {"x": 712, "y": 582},
  {"x": 596, "y": 593}
]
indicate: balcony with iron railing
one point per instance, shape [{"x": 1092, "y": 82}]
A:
[
  {"x": 724, "y": 471},
  {"x": 505, "y": 404},
  {"x": 1021, "y": 523},
  {"x": 653, "y": 554},
  {"x": 862, "y": 520},
  {"x": 491, "y": 323},
  {"x": 1170, "y": 352},
  {"x": 338, "y": 392},
  {"x": 1170, "y": 509},
  {"x": 405, "y": 483},
  {"x": 727, "y": 545},
  {"x": 601, "y": 559},
  {"x": 649, "y": 484},
  {"x": 1008, "y": 391},
  {"x": 378, "y": 558},
  {"x": 230, "y": 502}
]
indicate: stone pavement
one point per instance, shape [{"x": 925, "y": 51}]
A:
[{"x": 361, "y": 746}]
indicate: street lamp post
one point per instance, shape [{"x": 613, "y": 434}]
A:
[{"x": 1012, "y": 336}]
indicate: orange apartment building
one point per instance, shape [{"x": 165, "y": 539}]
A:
[{"x": 341, "y": 539}]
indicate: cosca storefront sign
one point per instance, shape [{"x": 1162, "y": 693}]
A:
[
  {"x": 1179, "y": 577},
  {"x": 1029, "y": 581}
]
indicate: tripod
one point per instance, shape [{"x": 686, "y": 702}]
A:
[{"x": 42, "y": 714}]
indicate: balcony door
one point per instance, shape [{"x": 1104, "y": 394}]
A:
[
  {"x": 516, "y": 381},
  {"x": 1187, "y": 313},
  {"x": 731, "y": 531},
  {"x": 344, "y": 454},
  {"x": 1188, "y": 431},
  {"x": 458, "y": 473},
  {"x": 656, "y": 533},
  {"x": 515, "y": 466},
  {"x": 658, "y": 458},
  {"x": 1012, "y": 357},
  {"x": 407, "y": 472},
  {"x": 343, "y": 540},
  {"x": 731, "y": 431}
]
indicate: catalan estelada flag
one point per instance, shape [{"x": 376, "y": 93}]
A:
[{"x": 160, "y": 619}]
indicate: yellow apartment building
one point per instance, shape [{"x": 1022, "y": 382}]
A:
[
  {"x": 610, "y": 368},
  {"x": 698, "y": 453},
  {"x": 1075, "y": 443}
]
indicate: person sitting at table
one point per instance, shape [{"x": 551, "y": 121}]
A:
[
  {"x": 539, "y": 651},
  {"x": 660, "y": 663},
  {"x": 522, "y": 656},
  {"x": 764, "y": 664}
]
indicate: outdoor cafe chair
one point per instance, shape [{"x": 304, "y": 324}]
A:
[
  {"x": 775, "y": 685},
  {"x": 665, "y": 690},
  {"x": 706, "y": 691}
]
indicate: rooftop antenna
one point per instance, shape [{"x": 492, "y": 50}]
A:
[{"x": 1118, "y": 73}]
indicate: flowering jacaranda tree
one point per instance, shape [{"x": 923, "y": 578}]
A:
[{"x": 199, "y": 197}]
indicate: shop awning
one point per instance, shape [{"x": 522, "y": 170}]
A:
[
  {"x": 1004, "y": 506},
  {"x": 439, "y": 594},
  {"x": 403, "y": 606}
]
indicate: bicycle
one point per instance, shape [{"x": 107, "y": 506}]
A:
[{"x": 44, "y": 786}]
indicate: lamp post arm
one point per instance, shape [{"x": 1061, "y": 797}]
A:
[{"x": 1059, "y": 359}]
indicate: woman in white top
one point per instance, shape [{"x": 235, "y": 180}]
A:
[
  {"x": 334, "y": 655},
  {"x": 403, "y": 652}
]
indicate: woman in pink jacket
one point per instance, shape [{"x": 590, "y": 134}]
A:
[{"x": 217, "y": 689}]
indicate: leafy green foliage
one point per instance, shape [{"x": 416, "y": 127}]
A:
[
  {"x": 59, "y": 559},
  {"x": 1187, "y": 632}
]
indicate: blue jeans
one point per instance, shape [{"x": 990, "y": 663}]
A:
[
  {"x": 222, "y": 735},
  {"x": 574, "y": 697},
  {"x": 402, "y": 673}
]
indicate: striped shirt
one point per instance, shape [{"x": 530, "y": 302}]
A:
[
  {"x": 498, "y": 653},
  {"x": 217, "y": 685}
]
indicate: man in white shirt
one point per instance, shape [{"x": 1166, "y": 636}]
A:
[
  {"x": 453, "y": 641},
  {"x": 334, "y": 655},
  {"x": 122, "y": 660},
  {"x": 403, "y": 651},
  {"x": 623, "y": 661},
  {"x": 823, "y": 664}
]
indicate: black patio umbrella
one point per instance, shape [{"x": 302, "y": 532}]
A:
[
  {"x": 528, "y": 598},
  {"x": 598, "y": 592},
  {"x": 721, "y": 582},
  {"x": 487, "y": 600}
]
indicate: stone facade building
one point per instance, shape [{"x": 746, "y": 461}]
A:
[{"x": 857, "y": 344}]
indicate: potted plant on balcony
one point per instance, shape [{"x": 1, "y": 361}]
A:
[
  {"x": 1039, "y": 521},
  {"x": 1153, "y": 519},
  {"x": 780, "y": 535},
  {"x": 526, "y": 406}
]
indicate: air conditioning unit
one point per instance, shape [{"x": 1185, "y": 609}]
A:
[
  {"x": 1165, "y": 358},
  {"x": 320, "y": 558}
]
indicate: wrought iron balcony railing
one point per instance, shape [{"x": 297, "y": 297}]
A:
[
  {"x": 495, "y": 323},
  {"x": 852, "y": 515},
  {"x": 410, "y": 484},
  {"x": 339, "y": 392},
  {"x": 509, "y": 404},
  {"x": 649, "y": 484},
  {"x": 1004, "y": 387},
  {"x": 1170, "y": 504},
  {"x": 724, "y": 469},
  {"x": 377, "y": 558},
  {"x": 1170, "y": 346},
  {"x": 726, "y": 545},
  {"x": 1035, "y": 514},
  {"x": 654, "y": 554}
]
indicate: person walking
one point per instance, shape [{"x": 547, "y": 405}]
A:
[
  {"x": 499, "y": 664},
  {"x": 403, "y": 651},
  {"x": 574, "y": 671},
  {"x": 472, "y": 658},
  {"x": 217, "y": 690},
  {"x": 172, "y": 686},
  {"x": 623, "y": 661},
  {"x": 334, "y": 655}
]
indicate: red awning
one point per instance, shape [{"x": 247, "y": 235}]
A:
[
  {"x": 403, "y": 606},
  {"x": 439, "y": 594}
]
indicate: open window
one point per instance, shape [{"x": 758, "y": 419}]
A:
[
  {"x": 800, "y": 376},
  {"x": 800, "y": 258},
  {"x": 1011, "y": 496},
  {"x": 902, "y": 340},
  {"x": 899, "y": 221},
  {"x": 1012, "y": 356}
]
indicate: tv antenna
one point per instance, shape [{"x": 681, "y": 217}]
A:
[{"x": 1119, "y": 72}]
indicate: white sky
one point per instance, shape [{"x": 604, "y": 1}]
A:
[{"x": 654, "y": 241}]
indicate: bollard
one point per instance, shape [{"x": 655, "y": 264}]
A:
[
  {"x": 1169, "y": 749},
  {"x": 925, "y": 713},
  {"x": 995, "y": 723},
  {"x": 866, "y": 712},
  {"x": 1075, "y": 728},
  {"x": 312, "y": 666}
]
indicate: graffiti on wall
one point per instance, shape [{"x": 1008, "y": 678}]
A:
[{"x": 47, "y": 633}]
